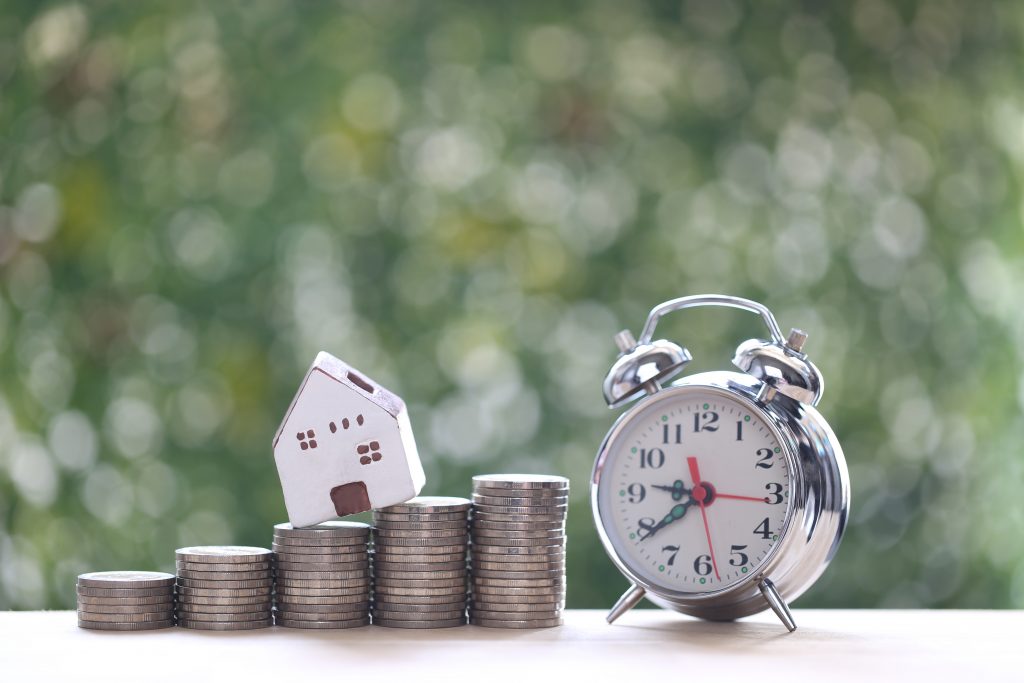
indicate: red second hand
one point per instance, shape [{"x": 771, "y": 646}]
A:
[
  {"x": 732, "y": 497},
  {"x": 695, "y": 475}
]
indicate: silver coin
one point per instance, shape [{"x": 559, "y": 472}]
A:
[
  {"x": 451, "y": 543},
  {"x": 186, "y": 591},
  {"x": 382, "y": 584},
  {"x": 508, "y": 623},
  {"x": 192, "y": 599},
  {"x": 134, "y": 618},
  {"x": 418, "y": 616},
  {"x": 421, "y": 550},
  {"x": 224, "y": 617},
  {"x": 422, "y": 504},
  {"x": 517, "y": 518},
  {"x": 423, "y": 600},
  {"x": 384, "y": 533},
  {"x": 225, "y": 625},
  {"x": 521, "y": 481},
  {"x": 323, "y": 576},
  {"x": 391, "y": 606},
  {"x": 479, "y": 556},
  {"x": 126, "y": 579},
  {"x": 484, "y": 589},
  {"x": 422, "y": 526},
  {"x": 398, "y": 623},
  {"x": 517, "y": 566},
  {"x": 545, "y": 510},
  {"x": 484, "y": 533},
  {"x": 516, "y": 607},
  {"x": 420, "y": 560},
  {"x": 288, "y": 599},
  {"x": 518, "y": 575},
  {"x": 324, "y": 584},
  {"x": 480, "y": 549},
  {"x": 380, "y": 516},
  {"x": 124, "y": 592},
  {"x": 520, "y": 542},
  {"x": 392, "y": 566},
  {"x": 224, "y": 576},
  {"x": 326, "y": 545},
  {"x": 494, "y": 582},
  {"x": 248, "y": 583},
  {"x": 322, "y": 558},
  {"x": 222, "y": 554},
  {"x": 125, "y": 626},
  {"x": 419, "y": 576},
  {"x": 518, "y": 526},
  {"x": 223, "y": 567},
  {"x": 331, "y": 608},
  {"x": 158, "y": 608},
  {"x": 479, "y": 500},
  {"x": 496, "y": 492},
  {"x": 295, "y": 623},
  {"x": 285, "y": 566},
  {"x": 323, "y": 616},
  {"x": 138, "y": 602},
  {"x": 308, "y": 592},
  {"x": 190, "y": 608},
  {"x": 397, "y": 590},
  {"x": 515, "y": 616},
  {"x": 332, "y": 529}
]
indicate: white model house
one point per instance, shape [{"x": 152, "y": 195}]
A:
[{"x": 345, "y": 446}]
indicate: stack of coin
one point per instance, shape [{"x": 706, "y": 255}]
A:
[
  {"x": 419, "y": 563},
  {"x": 518, "y": 550},
  {"x": 323, "y": 575},
  {"x": 224, "y": 587},
  {"x": 125, "y": 601}
]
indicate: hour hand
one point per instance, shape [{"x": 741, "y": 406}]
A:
[{"x": 677, "y": 512}]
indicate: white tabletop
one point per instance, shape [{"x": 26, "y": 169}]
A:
[{"x": 644, "y": 646}]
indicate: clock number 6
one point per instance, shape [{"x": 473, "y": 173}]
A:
[{"x": 702, "y": 565}]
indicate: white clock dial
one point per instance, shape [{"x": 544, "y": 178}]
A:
[{"x": 695, "y": 491}]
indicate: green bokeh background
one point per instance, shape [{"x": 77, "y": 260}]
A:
[{"x": 466, "y": 201}]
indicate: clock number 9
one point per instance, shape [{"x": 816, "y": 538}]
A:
[
  {"x": 652, "y": 458},
  {"x": 637, "y": 492},
  {"x": 774, "y": 496}
]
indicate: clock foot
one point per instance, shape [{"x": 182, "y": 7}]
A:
[
  {"x": 627, "y": 602},
  {"x": 776, "y": 602}
]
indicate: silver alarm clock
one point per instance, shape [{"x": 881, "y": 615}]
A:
[{"x": 722, "y": 493}]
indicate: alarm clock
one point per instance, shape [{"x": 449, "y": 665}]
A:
[{"x": 719, "y": 494}]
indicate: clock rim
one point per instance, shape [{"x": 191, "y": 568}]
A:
[{"x": 700, "y": 383}]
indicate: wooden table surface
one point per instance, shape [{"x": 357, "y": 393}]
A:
[{"x": 644, "y": 645}]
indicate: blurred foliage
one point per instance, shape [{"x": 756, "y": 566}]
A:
[{"x": 466, "y": 201}]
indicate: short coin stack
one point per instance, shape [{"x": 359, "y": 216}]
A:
[
  {"x": 518, "y": 550},
  {"x": 125, "y": 601},
  {"x": 224, "y": 587},
  {"x": 323, "y": 575},
  {"x": 420, "y": 563}
]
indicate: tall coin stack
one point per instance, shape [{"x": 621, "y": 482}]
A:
[
  {"x": 517, "y": 550},
  {"x": 323, "y": 575},
  {"x": 224, "y": 587},
  {"x": 125, "y": 601},
  {"x": 419, "y": 563}
]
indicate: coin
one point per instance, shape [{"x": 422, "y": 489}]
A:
[
  {"x": 415, "y": 576},
  {"x": 332, "y": 529},
  {"x": 422, "y": 504},
  {"x": 479, "y": 500},
  {"x": 520, "y": 542},
  {"x": 385, "y": 583},
  {"x": 123, "y": 592},
  {"x": 223, "y": 554},
  {"x": 397, "y": 590},
  {"x": 329, "y": 615},
  {"x": 509, "y": 623},
  {"x": 519, "y": 606},
  {"x": 498, "y": 492},
  {"x": 322, "y": 566},
  {"x": 417, "y": 616},
  {"x": 521, "y": 481},
  {"x": 324, "y": 584},
  {"x": 292, "y": 600},
  {"x": 545, "y": 510},
  {"x": 224, "y": 617},
  {"x": 478, "y": 549},
  {"x": 392, "y": 566},
  {"x": 126, "y": 579},
  {"x": 335, "y": 545},
  {"x": 324, "y": 576},
  {"x": 248, "y": 583},
  {"x": 223, "y": 576},
  {"x": 329, "y": 608},
  {"x": 159, "y": 608},
  {"x": 295, "y": 623},
  {"x": 481, "y": 556},
  {"x": 188, "y": 607},
  {"x": 452, "y": 543},
  {"x": 518, "y": 526},
  {"x": 191, "y": 599},
  {"x": 517, "y": 566},
  {"x": 557, "y": 580},
  {"x": 485, "y": 534},
  {"x": 454, "y": 524},
  {"x": 400, "y": 623},
  {"x": 225, "y": 625},
  {"x": 124, "y": 626},
  {"x": 139, "y": 602},
  {"x": 391, "y": 549},
  {"x": 479, "y": 516},
  {"x": 402, "y": 517},
  {"x": 125, "y": 618},
  {"x": 532, "y": 575},
  {"x": 329, "y": 592},
  {"x": 431, "y": 608},
  {"x": 223, "y": 567},
  {"x": 186, "y": 591},
  {"x": 476, "y": 613},
  {"x": 421, "y": 600},
  {"x": 333, "y": 558},
  {"x": 389, "y": 534}
]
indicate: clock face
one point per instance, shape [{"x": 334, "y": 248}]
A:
[{"x": 694, "y": 493}]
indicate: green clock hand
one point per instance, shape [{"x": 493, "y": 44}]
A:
[
  {"x": 676, "y": 489},
  {"x": 677, "y": 512}
]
